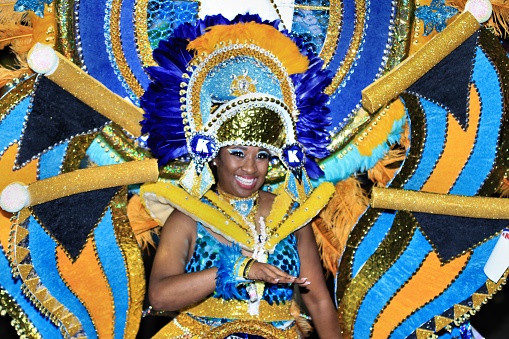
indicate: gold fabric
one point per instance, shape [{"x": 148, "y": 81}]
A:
[
  {"x": 409, "y": 71},
  {"x": 447, "y": 204}
]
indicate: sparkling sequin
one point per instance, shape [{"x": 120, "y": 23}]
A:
[{"x": 435, "y": 16}]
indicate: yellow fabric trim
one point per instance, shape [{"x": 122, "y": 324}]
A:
[
  {"x": 303, "y": 215},
  {"x": 224, "y": 220},
  {"x": 237, "y": 309},
  {"x": 170, "y": 194}
]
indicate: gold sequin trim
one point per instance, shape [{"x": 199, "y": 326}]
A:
[
  {"x": 334, "y": 28},
  {"x": 133, "y": 262},
  {"x": 252, "y": 327},
  {"x": 15, "y": 96},
  {"x": 227, "y": 53},
  {"x": 236, "y": 309},
  {"x": 445, "y": 204},
  {"x": 360, "y": 11}
]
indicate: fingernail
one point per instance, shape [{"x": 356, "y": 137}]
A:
[
  {"x": 307, "y": 283},
  {"x": 277, "y": 280},
  {"x": 304, "y": 279}
]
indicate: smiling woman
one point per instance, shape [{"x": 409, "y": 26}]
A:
[{"x": 232, "y": 253}]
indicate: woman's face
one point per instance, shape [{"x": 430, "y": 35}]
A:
[{"x": 241, "y": 170}]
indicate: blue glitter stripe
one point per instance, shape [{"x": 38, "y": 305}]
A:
[
  {"x": 379, "y": 295},
  {"x": 436, "y": 126},
  {"x": 41, "y": 245},
  {"x": 50, "y": 163},
  {"x": 42, "y": 323},
  {"x": 484, "y": 153},
  {"x": 115, "y": 271},
  {"x": 469, "y": 281}
]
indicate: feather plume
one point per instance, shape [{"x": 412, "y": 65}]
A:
[
  {"x": 142, "y": 224},
  {"x": 337, "y": 220},
  {"x": 385, "y": 169},
  {"x": 499, "y": 20},
  {"x": 504, "y": 188},
  {"x": 265, "y": 36},
  {"x": 303, "y": 324}
]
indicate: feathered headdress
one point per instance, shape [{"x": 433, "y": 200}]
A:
[{"x": 239, "y": 82}]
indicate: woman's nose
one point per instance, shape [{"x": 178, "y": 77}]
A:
[{"x": 249, "y": 165}]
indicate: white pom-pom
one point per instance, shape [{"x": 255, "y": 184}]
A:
[
  {"x": 480, "y": 9},
  {"x": 42, "y": 59},
  {"x": 14, "y": 197}
]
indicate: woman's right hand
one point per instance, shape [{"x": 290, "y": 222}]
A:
[{"x": 273, "y": 275}]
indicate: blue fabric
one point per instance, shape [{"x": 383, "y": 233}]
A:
[
  {"x": 461, "y": 289},
  {"x": 481, "y": 159},
  {"x": 12, "y": 125},
  {"x": 41, "y": 245},
  {"x": 13, "y": 286},
  {"x": 112, "y": 262},
  {"x": 436, "y": 125},
  {"x": 50, "y": 162},
  {"x": 376, "y": 298},
  {"x": 369, "y": 58}
]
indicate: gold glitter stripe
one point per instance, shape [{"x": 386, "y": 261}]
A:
[
  {"x": 236, "y": 309},
  {"x": 446, "y": 204},
  {"x": 360, "y": 11},
  {"x": 133, "y": 263},
  {"x": 93, "y": 93},
  {"x": 93, "y": 178},
  {"x": 411, "y": 69},
  {"x": 141, "y": 33},
  {"x": 333, "y": 30},
  {"x": 118, "y": 52}
]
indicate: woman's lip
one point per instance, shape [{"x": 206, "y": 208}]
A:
[{"x": 244, "y": 182}]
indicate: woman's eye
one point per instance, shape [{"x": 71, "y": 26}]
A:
[
  {"x": 263, "y": 155},
  {"x": 236, "y": 152}
]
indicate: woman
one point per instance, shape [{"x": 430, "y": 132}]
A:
[{"x": 229, "y": 257}]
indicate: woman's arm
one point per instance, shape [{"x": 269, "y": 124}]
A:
[
  {"x": 316, "y": 295},
  {"x": 170, "y": 288}
]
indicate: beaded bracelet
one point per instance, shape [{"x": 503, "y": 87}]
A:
[{"x": 249, "y": 264}]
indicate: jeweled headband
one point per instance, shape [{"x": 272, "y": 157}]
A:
[{"x": 239, "y": 82}]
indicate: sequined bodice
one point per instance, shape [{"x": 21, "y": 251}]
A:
[{"x": 284, "y": 257}]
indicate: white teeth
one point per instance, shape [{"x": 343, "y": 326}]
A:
[{"x": 245, "y": 181}]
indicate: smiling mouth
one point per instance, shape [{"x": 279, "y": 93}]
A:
[{"x": 245, "y": 181}]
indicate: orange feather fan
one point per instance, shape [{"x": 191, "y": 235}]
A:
[
  {"x": 267, "y": 37},
  {"x": 337, "y": 220}
]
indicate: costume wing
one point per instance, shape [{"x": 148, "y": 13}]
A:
[{"x": 70, "y": 271}]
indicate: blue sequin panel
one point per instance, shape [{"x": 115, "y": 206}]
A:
[
  {"x": 285, "y": 257},
  {"x": 164, "y": 16}
]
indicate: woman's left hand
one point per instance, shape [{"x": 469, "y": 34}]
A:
[{"x": 273, "y": 275}]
